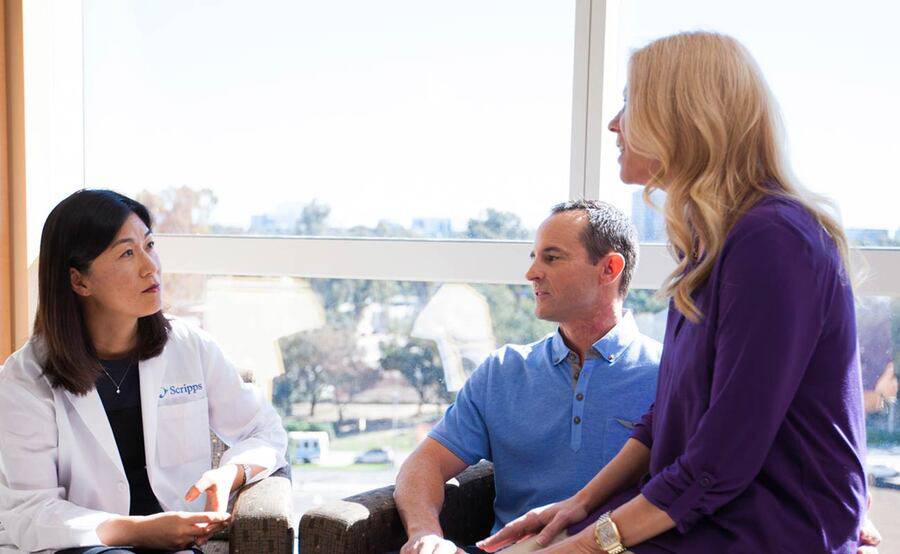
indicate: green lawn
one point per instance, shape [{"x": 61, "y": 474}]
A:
[
  {"x": 399, "y": 439},
  {"x": 354, "y": 467}
]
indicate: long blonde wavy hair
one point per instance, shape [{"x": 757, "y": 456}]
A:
[{"x": 698, "y": 103}]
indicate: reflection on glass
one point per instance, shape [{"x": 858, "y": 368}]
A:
[{"x": 361, "y": 369}]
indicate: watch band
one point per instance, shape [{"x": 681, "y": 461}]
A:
[
  {"x": 607, "y": 536},
  {"x": 248, "y": 474}
]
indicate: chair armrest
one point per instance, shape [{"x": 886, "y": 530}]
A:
[
  {"x": 263, "y": 516},
  {"x": 369, "y": 522}
]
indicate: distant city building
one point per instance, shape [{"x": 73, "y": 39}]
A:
[
  {"x": 650, "y": 223},
  {"x": 431, "y": 227},
  {"x": 871, "y": 237},
  {"x": 263, "y": 225},
  {"x": 282, "y": 221}
]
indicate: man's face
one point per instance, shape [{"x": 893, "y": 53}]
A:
[{"x": 567, "y": 286}]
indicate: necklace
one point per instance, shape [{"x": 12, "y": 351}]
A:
[{"x": 119, "y": 384}]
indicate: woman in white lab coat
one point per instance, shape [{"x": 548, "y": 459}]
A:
[{"x": 105, "y": 413}]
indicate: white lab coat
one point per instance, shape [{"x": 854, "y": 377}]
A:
[{"x": 60, "y": 470}]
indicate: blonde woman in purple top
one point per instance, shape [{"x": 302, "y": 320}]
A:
[{"x": 756, "y": 437}]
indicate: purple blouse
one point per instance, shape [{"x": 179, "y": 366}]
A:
[{"x": 757, "y": 432}]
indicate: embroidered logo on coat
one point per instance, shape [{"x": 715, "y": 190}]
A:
[{"x": 173, "y": 390}]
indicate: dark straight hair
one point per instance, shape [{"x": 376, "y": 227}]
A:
[{"x": 78, "y": 230}]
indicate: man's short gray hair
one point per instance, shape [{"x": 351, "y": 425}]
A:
[{"x": 608, "y": 229}]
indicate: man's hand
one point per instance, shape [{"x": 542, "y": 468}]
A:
[
  {"x": 429, "y": 543},
  {"x": 869, "y": 538}
]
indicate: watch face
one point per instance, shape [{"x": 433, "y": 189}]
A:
[{"x": 607, "y": 534}]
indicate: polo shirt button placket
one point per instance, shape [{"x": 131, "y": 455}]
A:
[
  {"x": 577, "y": 420},
  {"x": 579, "y": 397}
]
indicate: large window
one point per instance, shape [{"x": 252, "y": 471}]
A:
[
  {"x": 396, "y": 119},
  {"x": 405, "y": 152}
]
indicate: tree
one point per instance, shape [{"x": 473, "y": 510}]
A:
[
  {"x": 312, "y": 219},
  {"x": 419, "y": 362},
  {"x": 497, "y": 225},
  {"x": 311, "y": 358},
  {"x": 181, "y": 210},
  {"x": 645, "y": 301},
  {"x": 511, "y": 306},
  {"x": 351, "y": 378},
  {"x": 512, "y": 314}
]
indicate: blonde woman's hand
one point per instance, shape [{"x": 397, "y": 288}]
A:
[
  {"x": 582, "y": 543},
  {"x": 547, "y": 522}
]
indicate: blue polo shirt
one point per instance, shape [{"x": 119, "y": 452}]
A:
[{"x": 547, "y": 433}]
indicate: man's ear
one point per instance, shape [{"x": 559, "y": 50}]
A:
[
  {"x": 611, "y": 267},
  {"x": 77, "y": 282}
]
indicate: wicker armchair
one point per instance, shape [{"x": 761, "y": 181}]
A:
[
  {"x": 263, "y": 515},
  {"x": 369, "y": 522}
]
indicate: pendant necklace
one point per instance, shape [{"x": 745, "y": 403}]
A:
[{"x": 119, "y": 384}]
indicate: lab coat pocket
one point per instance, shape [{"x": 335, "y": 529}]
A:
[{"x": 183, "y": 434}]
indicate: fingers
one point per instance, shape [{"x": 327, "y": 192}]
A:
[
  {"x": 429, "y": 544},
  {"x": 208, "y": 533},
  {"x": 204, "y": 483},
  {"x": 208, "y": 517},
  {"x": 555, "y": 527},
  {"x": 528, "y": 524},
  {"x": 867, "y": 550},
  {"x": 868, "y": 534}
]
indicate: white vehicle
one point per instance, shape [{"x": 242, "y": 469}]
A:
[
  {"x": 307, "y": 446},
  {"x": 375, "y": 456}
]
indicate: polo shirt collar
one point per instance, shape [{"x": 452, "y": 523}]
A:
[{"x": 610, "y": 347}]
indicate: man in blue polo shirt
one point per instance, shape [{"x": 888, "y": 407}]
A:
[{"x": 549, "y": 414}]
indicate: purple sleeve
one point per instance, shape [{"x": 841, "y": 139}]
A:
[
  {"x": 643, "y": 429},
  {"x": 767, "y": 324}
]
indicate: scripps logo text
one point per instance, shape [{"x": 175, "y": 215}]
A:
[{"x": 173, "y": 390}]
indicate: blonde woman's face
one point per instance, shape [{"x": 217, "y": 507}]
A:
[{"x": 634, "y": 168}]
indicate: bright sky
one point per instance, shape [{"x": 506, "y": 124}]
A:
[{"x": 401, "y": 109}]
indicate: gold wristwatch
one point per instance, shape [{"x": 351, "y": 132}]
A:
[{"x": 607, "y": 535}]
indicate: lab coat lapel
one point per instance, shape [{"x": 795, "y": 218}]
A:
[
  {"x": 152, "y": 372},
  {"x": 91, "y": 411}
]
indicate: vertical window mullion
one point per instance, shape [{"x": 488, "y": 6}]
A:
[{"x": 596, "y": 23}]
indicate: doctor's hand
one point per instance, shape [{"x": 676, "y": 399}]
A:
[
  {"x": 217, "y": 484},
  {"x": 167, "y": 530}
]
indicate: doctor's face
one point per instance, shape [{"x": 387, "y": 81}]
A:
[{"x": 124, "y": 280}]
